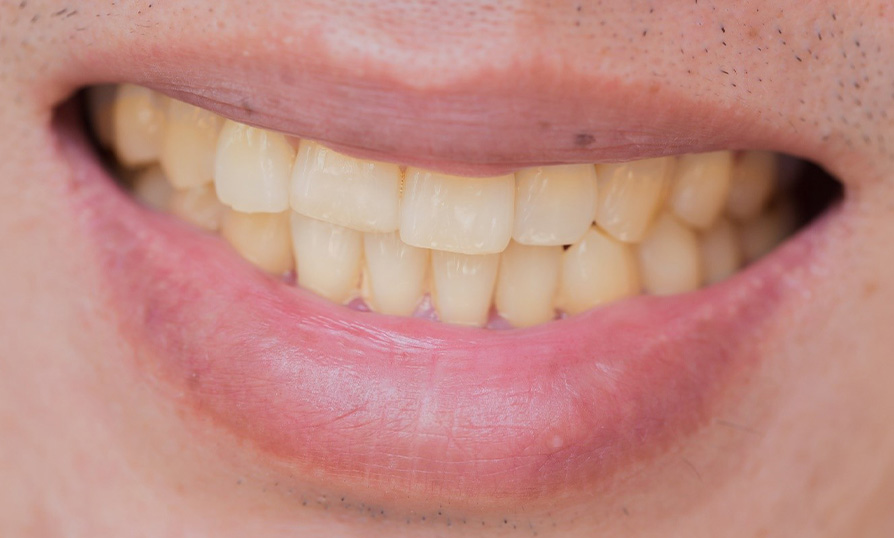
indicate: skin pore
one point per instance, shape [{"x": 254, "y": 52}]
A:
[{"x": 797, "y": 442}]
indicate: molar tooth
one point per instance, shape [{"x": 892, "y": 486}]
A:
[
  {"x": 395, "y": 273},
  {"x": 701, "y": 184},
  {"x": 596, "y": 270},
  {"x": 457, "y": 214},
  {"x": 721, "y": 253},
  {"x": 669, "y": 258},
  {"x": 261, "y": 238},
  {"x": 251, "y": 169},
  {"x": 138, "y": 124},
  {"x": 527, "y": 283},
  {"x": 101, "y": 103},
  {"x": 363, "y": 195},
  {"x": 463, "y": 286},
  {"x": 761, "y": 234},
  {"x": 753, "y": 179},
  {"x": 629, "y": 195},
  {"x": 199, "y": 206},
  {"x": 189, "y": 144},
  {"x": 554, "y": 204},
  {"x": 152, "y": 188},
  {"x": 327, "y": 257}
]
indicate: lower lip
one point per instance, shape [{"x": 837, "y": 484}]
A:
[{"x": 375, "y": 403}]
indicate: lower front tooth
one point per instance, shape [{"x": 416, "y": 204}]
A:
[
  {"x": 395, "y": 273},
  {"x": 596, "y": 270},
  {"x": 701, "y": 185},
  {"x": 189, "y": 145},
  {"x": 138, "y": 124},
  {"x": 721, "y": 253},
  {"x": 198, "y": 206},
  {"x": 527, "y": 283},
  {"x": 554, "y": 204},
  {"x": 327, "y": 257},
  {"x": 463, "y": 286},
  {"x": 629, "y": 195},
  {"x": 669, "y": 258},
  {"x": 261, "y": 238}
]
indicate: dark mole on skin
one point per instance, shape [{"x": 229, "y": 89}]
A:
[{"x": 583, "y": 140}]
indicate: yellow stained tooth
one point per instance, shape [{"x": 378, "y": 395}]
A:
[
  {"x": 527, "y": 283},
  {"x": 252, "y": 169},
  {"x": 629, "y": 195},
  {"x": 327, "y": 257},
  {"x": 553, "y": 204},
  {"x": 598, "y": 269},
  {"x": 395, "y": 274},
  {"x": 138, "y": 124},
  {"x": 669, "y": 258},
  {"x": 700, "y": 187},
  {"x": 763, "y": 233},
  {"x": 189, "y": 145},
  {"x": 720, "y": 251},
  {"x": 463, "y": 286},
  {"x": 261, "y": 238},
  {"x": 358, "y": 194},
  {"x": 198, "y": 206},
  {"x": 457, "y": 214},
  {"x": 101, "y": 104},
  {"x": 152, "y": 188},
  {"x": 754, "y": 177}
]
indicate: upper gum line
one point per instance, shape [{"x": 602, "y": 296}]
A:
[{"x": 542, "y": 239}]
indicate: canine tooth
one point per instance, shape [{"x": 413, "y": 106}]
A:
[
  {"x": 252, "y": 168},
  {"x": 553, "y": 204},
  {"x": 669, "y": 258},
  {"x": 527, "y": 283},
  {"x": 629, "y": 195},
  {"x": 721, "y": 253},
  {"x": 463, "y": 286},
  {"x": 199, "y": 206},
  {"x": 327, "y": 257},
  {"x": 761, "y": 234},
  {"x": 101, "y": 103},
  {"x": 152, "y": 188},
  {"x": 754, "y": 176},
  {"x": 395, "y": 273},
  {"x": 189, "y": 144},
  {"x": 261, "y": 238},
  {"x": 329, "y": 186},
  {"x": 701, "y": 184},
  {"x": 597, "y": 269},
  {"x": 138, "y": 124},
  {"x": 457, "y": 214}
]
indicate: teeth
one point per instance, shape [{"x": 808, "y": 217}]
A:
[
  {"x": 763, "y": 233},
  {"x": 463, "y": 286},
  {"x": 198, "y": 206},
  {"x": 363, "y": 195},
  {"x": 327, "y": 257},
  {"x": 261, "y": 238},
  {"x": 527, "y": 283},
  {"x": 252, "y": 168},
  {"x": 721, "y": 253},
  {"x": 138, "y": 124},
  {"x": 152, "y": 188},
  {"x": 395, "y": 274},
  {"x": 101, "y": 103},
  {"x": 457, "y": 214},
  {"x": 669, "y": 258},
  {"x": 189, "y": 145},
  {"x": 596, "y": 270},
  {"x": 553, "y": 204},
  {"x": 629, "y": 196},
  {"x": 701, "y": 184},
  {"x": 754, "y": 176}
]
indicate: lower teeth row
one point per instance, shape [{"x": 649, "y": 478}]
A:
[{"x": 514, "y": 250}]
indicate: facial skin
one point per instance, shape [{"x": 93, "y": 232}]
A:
[{"x": 95, "y": 443}]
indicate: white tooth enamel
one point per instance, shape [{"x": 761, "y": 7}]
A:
[
  {"x": 138, "y": 124},
  {"x": 252, "y": 169},
  {"x": 152, "y": 188},
  {"x": 327, "y": 257},
  {"x": 358, "y": 194},
  {"x": 261, "y": 238},
  {"x": 553, "y": 204},
  {"x": 669, "y": 258},
  {"x": 596, "y": 270},
  {"x": 395, "y": 274},
  {"x": 527, "y": 283},
  {"x": 457, "y": 214},
  {"x": 763, "y": 233},
  {"x": 629, "y": 195},
  {"x": 101, "y": 103},
  {"x": 199, "y": 206},
  {"x": 721, "y": 253},
  {"x": 754, "y": 176},
  {"x": 463, "y": 286},
  {"x": 701, "y": 185},
  {"x": 189, "y": 145}
]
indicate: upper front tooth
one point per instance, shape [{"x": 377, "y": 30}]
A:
[
  {"x": 327, "y": 257},
  {"x": 554, "y": 204},
  {"x": 669, "y": 256},
  {"x": 363, "y": 195},
  {"x": 701, "y": 184},
  {"x": 395, "y": 273},
  {"x": 753, "y": 179},
  {"x": 138, "y": 124},
  {"x": 463, "y": 286},
  {"x": 629, "y": 195},
  {"x": 190, "y": 141},
  {"x": 252, "y": 168},
  {"x": 457, "y": 214}
]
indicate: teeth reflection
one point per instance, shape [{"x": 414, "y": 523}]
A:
[
  {"x": 463, "y": 286},
  {"x": 261, "y": 238},
  {"x": 327, "y": 257}
]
